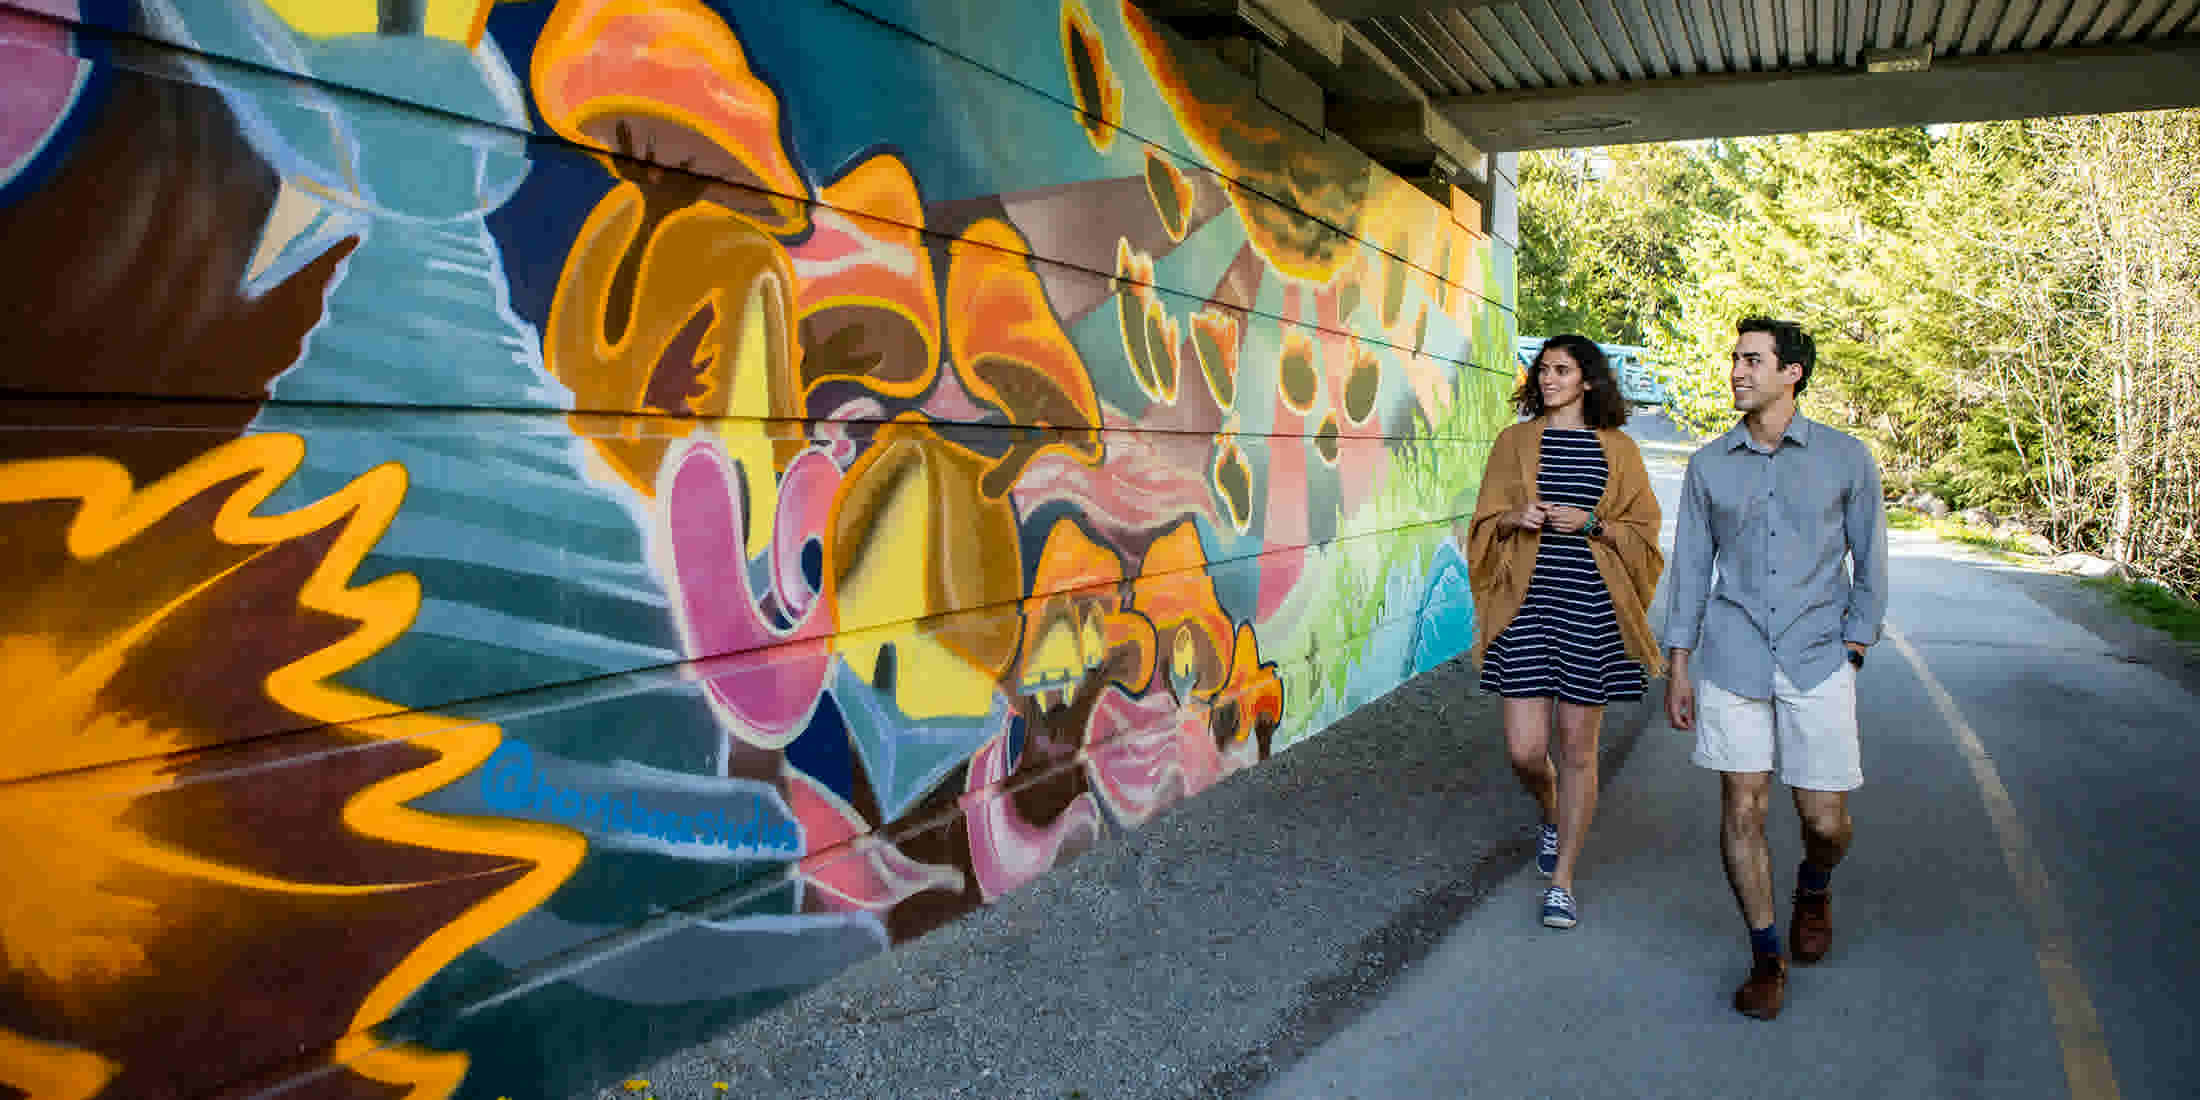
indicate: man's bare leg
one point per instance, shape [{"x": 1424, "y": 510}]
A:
[
  {"x": 1827, "y": 828},
  {"x": 1743, "y": 798},
  {"x": 1577, "y": 784},
  {"x": 1826, "y": 834}
]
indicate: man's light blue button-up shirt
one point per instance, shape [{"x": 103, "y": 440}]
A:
[{"x": 1783, "y": 526}]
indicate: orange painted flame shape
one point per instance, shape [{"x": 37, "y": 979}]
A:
[
  {"x": 158, "y": 636},
  {"x": 1011, "y": 352},
  {"x": 705, "y": 330},
  {"x": 1317, "y": 187},
  {"x": 1232, "y": 478},
  {"x": 1215, "y": 335},
  {"x": 1091, "y": 81},
  {"x": 667, "y": 80},
  {"x": 1193, "y": 633},
  {"x": 1298, "y": 373},
  {"x": 1170, "y": 192},
  {"x": 866, "y": 302},
  {"x": 1075, "y": 625},
  {"x": 1249, "y": 707},
  {"x": 1151, "y": 337}
]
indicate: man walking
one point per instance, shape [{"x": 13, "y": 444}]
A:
[{"x": 1789, "y": 511}]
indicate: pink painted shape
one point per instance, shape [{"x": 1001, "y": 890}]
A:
[
  {"x": 1146, "y": 753},
  {"x": 1279, "y": 574},
  {"x": 805, "y": 506},
  {"x": 67, "y": 11},
  {"x": 42, "y": 82},
  {"x": 764, "y": 681},
  {"x": 1282, "y": 513},
  {"x": 850, "y": 867},
  {"x": 1135, "y": 493},
  {"x": 1005, "y": 850},
  {"x": 950, "y": 402},
  {"x": 1336, "y": 348}
]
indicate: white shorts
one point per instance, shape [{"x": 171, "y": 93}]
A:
[{"x": 1815, "y": 731}]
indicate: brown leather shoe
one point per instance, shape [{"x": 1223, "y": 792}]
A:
[
  {"x": 1810, "y": 933},
  {"x": 1766, "y": 989}
]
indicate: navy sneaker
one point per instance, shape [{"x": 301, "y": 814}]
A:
[
  {"x": 1558, "y": 908},
  {"x": 1546, "y": 853}
]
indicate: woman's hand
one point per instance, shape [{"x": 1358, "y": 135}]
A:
[
  {"x": 1565, "y": 518},
  {"x": 1531, "y": 518}
]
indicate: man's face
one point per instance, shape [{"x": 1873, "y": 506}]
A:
[{"x": 1758, "y": 377}]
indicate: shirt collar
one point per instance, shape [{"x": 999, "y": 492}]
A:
[{"x": 1798, "y": 433}]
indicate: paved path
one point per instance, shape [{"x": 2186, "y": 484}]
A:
[
  {"x": 1351, "y": 918},
  {"x": 1947, "y": 976}
]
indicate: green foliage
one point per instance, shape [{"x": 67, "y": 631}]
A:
[
  {"x": 1957, "y": 531},
  {"x": 1987, "y": 468},
  {"x": 1812, "y": 233},
  {"x": 2154, "y": 606},
  {"x": 1601, "y": 238},
  {"x": 1980, "y": 540},
  {"x": 2009, "y": 313}
]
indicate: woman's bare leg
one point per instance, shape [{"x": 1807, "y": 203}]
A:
[
  {"x": 1577, "y": 784},
  {"x": 1528, "y": 742}
]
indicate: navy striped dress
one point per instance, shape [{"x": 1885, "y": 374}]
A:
[{"x": 1565, "y": 641}]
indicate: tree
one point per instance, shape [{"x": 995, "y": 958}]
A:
[
  {"x": 2008, "y": 312},
  {"x": 1602, "y": 234}
]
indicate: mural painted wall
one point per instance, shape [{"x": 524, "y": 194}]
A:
[{"x": 532, "y": 532}]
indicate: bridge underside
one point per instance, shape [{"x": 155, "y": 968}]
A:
[{"x": 1432, "y": 87}]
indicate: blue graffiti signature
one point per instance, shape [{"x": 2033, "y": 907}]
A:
[{"x": 748, "y": 824}]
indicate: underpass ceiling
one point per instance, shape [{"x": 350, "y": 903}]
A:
[{"x": 1528, "y": 74}]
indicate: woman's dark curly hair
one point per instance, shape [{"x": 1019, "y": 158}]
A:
[{"x": 1603, "y": 406}]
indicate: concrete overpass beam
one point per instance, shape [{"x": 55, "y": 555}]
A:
[
  {"x": 1348, "y": 10},
  {"x": 2049, "y": 83},
  {"x": 1415, "y": 142},
  {"x": 1297, "y": 29}
]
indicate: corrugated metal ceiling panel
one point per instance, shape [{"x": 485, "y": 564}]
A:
[{"x": 1516, "y": 45}]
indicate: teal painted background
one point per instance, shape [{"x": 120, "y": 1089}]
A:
[{"x": 537, "y": 531}]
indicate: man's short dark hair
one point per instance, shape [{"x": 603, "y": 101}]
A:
[{"x": 1789, "y": 342}]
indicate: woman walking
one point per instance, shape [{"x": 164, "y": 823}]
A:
[{"x": 1563, "y": 556}]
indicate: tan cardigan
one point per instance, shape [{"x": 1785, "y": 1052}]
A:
[{"x": 1499, "y": 563}]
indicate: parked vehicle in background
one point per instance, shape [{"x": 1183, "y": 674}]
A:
[{"x": 1638, "y": 380}]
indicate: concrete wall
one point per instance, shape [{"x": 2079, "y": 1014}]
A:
[{"x": 533, "y": 532}]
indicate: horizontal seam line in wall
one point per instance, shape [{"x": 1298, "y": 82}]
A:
[
  {"x": 223, "y": 60},
  {"x": 579, "y": 956},
  {"x": 546, "y": 411},
  {"x": 453, "y": 709},
  {"x": 1142, "y": 139}
]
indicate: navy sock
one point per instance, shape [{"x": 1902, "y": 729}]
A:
[
  {"x": 1766, "y": 940},
  {"x": 1812, "y": 879}
]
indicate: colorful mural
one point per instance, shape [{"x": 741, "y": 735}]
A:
[{"x": 535, "y": 531}]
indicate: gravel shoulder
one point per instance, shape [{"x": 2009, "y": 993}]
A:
[{"x": 1196, "y": 956}]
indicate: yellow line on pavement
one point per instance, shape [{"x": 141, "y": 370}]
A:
[{"x": 2077, "y": 1026}]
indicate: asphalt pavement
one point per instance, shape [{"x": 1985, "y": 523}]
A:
[
  {"x": 2016, "y": 917},
  {"x": 1357, "y": 917}
]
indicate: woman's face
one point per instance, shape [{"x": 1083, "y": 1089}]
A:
[{"x": 1559, "y": 377}]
